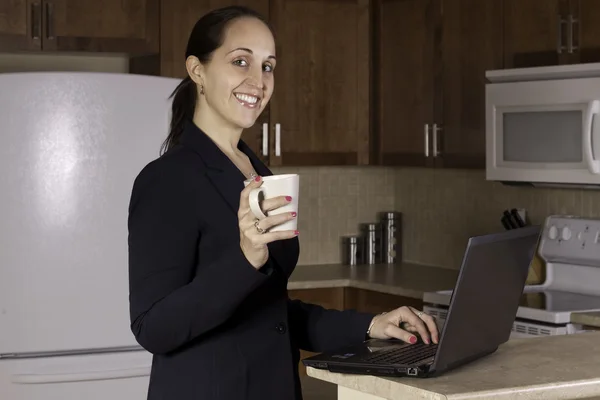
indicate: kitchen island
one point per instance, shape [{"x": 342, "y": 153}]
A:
[{"x": 553, "y": 367}]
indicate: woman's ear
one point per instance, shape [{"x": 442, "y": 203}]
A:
[{"x": 195, "y": 70}]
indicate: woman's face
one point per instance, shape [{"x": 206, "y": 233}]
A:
[{"x": 238, "y": 81}]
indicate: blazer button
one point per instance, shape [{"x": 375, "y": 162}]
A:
[{"x": 280, "y": 328}]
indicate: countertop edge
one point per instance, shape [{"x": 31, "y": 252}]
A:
[
  {"x": 369, "y": 384},
  {"x": 382, "y": 387},
  {"x": 357, "y": 284}
]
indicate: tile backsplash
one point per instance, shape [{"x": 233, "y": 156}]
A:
[
  {"x": 441, "y": 208},
  {"x": 333, "y": 202}
]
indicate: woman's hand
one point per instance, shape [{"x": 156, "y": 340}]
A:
[
  {"x": 253, "y": 232},
  {"x": 403, "y": 323}
]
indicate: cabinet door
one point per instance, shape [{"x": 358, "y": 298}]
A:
[
  {"x": 404, "y": 88},
  {"x": 535, "y": 33},
  {"x": 471, "y": 44},
  {"x": 178, "y": 18},
  {"x": 20, "y": 25},
  {"x": 129, "y": 26},
  {"x": 320, "y": 107},
  {"x": 585, "y": 30}
]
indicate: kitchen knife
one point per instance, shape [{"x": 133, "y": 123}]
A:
[
  {"x": 517, "y": 217},
  {"x": 509, "y": 219},
  {"x": 505, "y": 223}
]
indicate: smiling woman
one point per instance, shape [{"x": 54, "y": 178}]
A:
[{"x": 208, "y": 281}]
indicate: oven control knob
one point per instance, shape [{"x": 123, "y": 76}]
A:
[
  {"x": 553, "y": 232},
  {"x": 566, "y": 233}
]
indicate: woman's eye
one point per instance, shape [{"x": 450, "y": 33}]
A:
[
  {"x": 268, "y": 68},
  {"x": 240, "y": 63}
]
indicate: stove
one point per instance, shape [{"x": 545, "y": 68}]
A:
[{"x": 570, "y": 246}]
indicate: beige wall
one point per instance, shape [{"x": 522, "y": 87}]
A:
[{"x": 441, "y": 208}]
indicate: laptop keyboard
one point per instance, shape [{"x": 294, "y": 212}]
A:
[{"x": 410, "y": 354}]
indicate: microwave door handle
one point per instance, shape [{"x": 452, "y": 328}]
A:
[{"x": 589, "y": 135}]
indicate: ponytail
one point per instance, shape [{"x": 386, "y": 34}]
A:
[{"x": 184, "y": 104}]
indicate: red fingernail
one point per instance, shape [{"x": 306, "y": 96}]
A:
[
  {"x": 294, "y": 214},
  {"x": 413, "y": 340},
  {"x": 288, "y": 198},
  {"x": 296, "y": 232},
  {"x": 257, "y": 179}
]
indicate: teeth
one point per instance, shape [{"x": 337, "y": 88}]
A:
[{"x": 247, "y": 98}]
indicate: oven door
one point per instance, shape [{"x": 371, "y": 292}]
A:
[{"x": 543, "y": 131}]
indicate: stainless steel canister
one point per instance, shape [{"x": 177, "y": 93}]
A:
[
  {"x": 352, "y": 250},
  {"x": 391, "y": 235},
  {"x": 371, "y": 233}
]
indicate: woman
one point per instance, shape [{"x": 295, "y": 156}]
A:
[{"x": 208, "y": 283}]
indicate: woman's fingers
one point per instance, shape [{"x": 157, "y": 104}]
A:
[
  {"x": 429, "y": 322},
  {"x": 244, "y": 207},
  {"x": 274, "y": 203},
  {"x": 394, "y": 331}
]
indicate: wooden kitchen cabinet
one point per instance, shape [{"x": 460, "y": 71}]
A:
[
  {"x": 321, "y": 102},
  {"x": 535, "y": 33},
  {"x": 319, "y": 112},
  {"x": 124, "y": 26},
  {"x": 551, "y": 32},
  {"x": 404, "y": 79},
  {"x": 431, "y": 58},
  {"x": 20, "y": 25},
  {"x": 471, "y": 43}
]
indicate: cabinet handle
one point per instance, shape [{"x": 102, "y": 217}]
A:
[
  {"x": 277, "y": 140},
  {"x": 436, "y": 129},
  {"x": 49, "y": 21},
  {"x": 35, "y": 20},
  {"x": 559, "y": 45},
  {"x": 426, "y": 140},
  {"x": 265, "y": 139},
  {"x": 571, "y": 21}
]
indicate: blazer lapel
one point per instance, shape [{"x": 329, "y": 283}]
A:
[
  {"x": 229, "y": 182},
  {"x": 221, "y": 172}
]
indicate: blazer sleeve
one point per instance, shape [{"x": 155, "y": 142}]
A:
[
  {"x": 317, "y": 329},
  {"x": 170, "y": 302}
]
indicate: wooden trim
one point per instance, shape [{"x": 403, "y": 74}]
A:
[
  {"x": 467, "y": 161},
  {"x": 405, "y": 159},
  {"x": 314, "y": 159}
]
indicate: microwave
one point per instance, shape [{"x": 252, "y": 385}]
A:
[{"x": 543, "y": 126}]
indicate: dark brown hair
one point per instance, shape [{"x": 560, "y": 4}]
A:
[{"x": 207, "y": 36}]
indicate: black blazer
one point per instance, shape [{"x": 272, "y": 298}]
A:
[{"x": 218, "y": 328}]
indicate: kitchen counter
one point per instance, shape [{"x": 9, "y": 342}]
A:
[
  {"x": 589, "y": 318},
  {"x": 409, "y": 280},
  {"x": 552, "y": 367}
]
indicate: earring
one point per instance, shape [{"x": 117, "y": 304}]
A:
[{"x": 201, "y": 89}]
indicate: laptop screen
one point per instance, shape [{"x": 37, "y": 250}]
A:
[{"x": 486, "y": 297}]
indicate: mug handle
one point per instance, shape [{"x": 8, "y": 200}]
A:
[{"x": 254, "y": 204}]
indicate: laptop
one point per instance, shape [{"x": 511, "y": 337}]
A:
[{"x": 482, "y": 309}]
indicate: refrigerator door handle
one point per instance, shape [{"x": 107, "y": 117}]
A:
[{"x": 65, "y": 377}]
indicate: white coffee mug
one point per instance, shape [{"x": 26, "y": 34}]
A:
[{"x": 274, "y": 186}]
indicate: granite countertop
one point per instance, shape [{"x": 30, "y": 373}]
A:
[
  {"x": 552, "y": 367},
  {"x": 589, "y": 318},
  {"x": 409, "y": 280}
]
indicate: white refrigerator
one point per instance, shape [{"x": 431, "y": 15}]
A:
[{"x": 71, "y": 145}]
